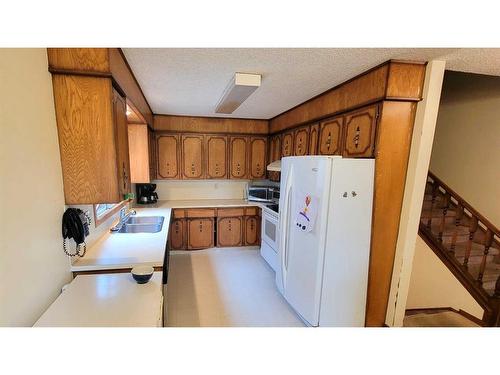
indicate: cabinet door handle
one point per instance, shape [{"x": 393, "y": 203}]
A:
[{"x": 356, "y": 137}]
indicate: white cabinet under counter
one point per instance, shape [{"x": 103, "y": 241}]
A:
[{"x": 107, "y": 300}]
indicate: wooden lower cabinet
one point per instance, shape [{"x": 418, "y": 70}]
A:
[
  {"x": 229, "y": 231},
  {"x": 200, "y": 233},
  {"x": 252, "y": 230},
  {"x": 202, "y": 228},
  {"x": 177, "y": 234}
]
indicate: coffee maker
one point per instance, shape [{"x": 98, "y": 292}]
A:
[{"x": 146, "y": 193}]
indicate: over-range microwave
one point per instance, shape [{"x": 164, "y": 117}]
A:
[{"x": 263, "y": 193}]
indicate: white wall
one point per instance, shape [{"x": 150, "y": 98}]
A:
[
  {"x": 33, "y": 266},
  {"x": 433, "y": 285},
  {"x": 466, "y": 151}
]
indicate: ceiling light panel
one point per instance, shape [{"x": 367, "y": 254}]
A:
[{"x": 241, "y": 86}]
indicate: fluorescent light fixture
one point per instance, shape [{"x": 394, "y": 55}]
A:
[{"x": 239, "y": 89}]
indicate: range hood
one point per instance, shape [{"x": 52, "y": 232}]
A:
[{"x": 275, "y": 166}]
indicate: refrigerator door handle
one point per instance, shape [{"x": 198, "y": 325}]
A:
[
  {"x": 287, "y": 224},
  {"x": 284, "y": 228}
]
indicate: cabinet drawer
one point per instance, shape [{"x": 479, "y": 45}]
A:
[
  {"x": 251, "y": 211},
  {"x": 230, "y": 212},
  {"x": 200, "y": 212},
  {"x": 179, "y": 214}
]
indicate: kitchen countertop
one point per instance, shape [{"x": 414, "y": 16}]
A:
[
  {"x": 126, "y": 250},
  {"x": 208, "y": 203},
  {"x": 107, "y": 300}
]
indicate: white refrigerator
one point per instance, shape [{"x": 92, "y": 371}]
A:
[{"x": 324, "y": 243}]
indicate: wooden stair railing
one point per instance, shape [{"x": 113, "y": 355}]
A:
[{"x": 466, "y": 242}]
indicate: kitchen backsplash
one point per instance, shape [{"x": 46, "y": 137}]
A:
[{"x": 201, "y": 189}]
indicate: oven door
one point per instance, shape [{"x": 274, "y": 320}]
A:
[{"x": 269, "y": 230}]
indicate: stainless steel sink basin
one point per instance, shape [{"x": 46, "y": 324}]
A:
[
  {"x": 143, "y": 224},
  {"x": 145, "y": 220}
]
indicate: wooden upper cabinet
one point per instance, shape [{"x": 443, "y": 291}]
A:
[
  {"x": 192, "y": 156},
  {"x": 91, "y": 145},
  {"x": 274, "y": 154},
  {"x": 79, "y": 59},
  {"x": 200, "y": 233},
  {"x": 122, "y": 149},
  {"x": 229, "y": 231},
  {"x": 216, "y": 155},
  {"x": 330, "y": 135},
  {"x": 257, "y": 157},
  {"x": 238, "y": 157},
  {"x": 275, "y": 148},
  {"x": 168, "y": 152},
  {"x": 287, "y": 144},
  {"x": 313, "y": 139},
  {"x": 301, "y": 141},
  {"x": 360, "y": 132},
  {"x": 140, "y": 155},
  {"x": 153, "y": 154}
]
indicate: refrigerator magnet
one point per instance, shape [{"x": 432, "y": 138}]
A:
[{"x": 307, "y": 204}]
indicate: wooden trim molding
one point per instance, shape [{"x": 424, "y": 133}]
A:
[
  {"x": 392, "y": 80},
  {"x": 73, "y": 72},
  {"x": 223, "y": 125},
  {"x": 393, "y": 140},
  {"x": 125, "y": 78}
]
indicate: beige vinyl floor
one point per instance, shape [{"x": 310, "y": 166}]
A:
[{"x": 224, "y": 287}]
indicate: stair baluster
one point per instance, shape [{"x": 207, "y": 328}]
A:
[
  {"x": 446, "y": 204},
  {"x": 472, "y": 229},
  {"x": 487, "y": 244},
  {"x": 435, "y": 188},
  {"x": 497, "y": 288},
  {"x": 459, "y": 213}
]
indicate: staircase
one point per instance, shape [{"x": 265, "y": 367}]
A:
[{"x": 466, "y": 242}]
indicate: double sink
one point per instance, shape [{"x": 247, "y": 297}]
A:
[{"x": 142, "y": 224}]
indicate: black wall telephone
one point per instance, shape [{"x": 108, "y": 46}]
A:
[{"x": 75, "y": 224}]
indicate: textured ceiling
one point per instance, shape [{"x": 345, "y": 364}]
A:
[{"x": 191, "y": 81}]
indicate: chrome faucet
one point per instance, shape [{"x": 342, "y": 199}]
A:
[{"x": 124, "y": 215}]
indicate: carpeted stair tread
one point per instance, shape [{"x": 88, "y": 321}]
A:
[{"x": 440, "y": 319}]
